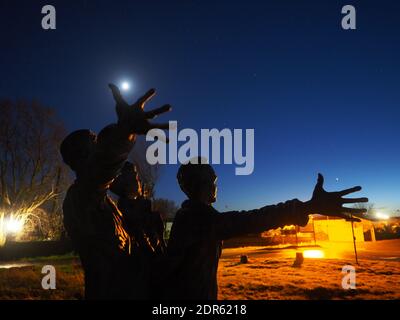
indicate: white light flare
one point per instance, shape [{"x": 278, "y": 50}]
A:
[
  {"x": 125, "y": 86},
  {"x": 382, "y": 216},
  {"x": 13, "y": 225},
  {"x": 314, "y": 254}
]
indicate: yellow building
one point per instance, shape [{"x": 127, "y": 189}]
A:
[{"x": 338, "y": 230}]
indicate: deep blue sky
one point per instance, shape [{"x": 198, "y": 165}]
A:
[{"x": 320, "y": 99}]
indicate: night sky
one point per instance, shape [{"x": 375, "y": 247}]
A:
[{"x": 321, "y": 99}]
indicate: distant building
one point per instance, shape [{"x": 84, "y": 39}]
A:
[
  {"x": 340, "y": 230},
  {"x": 322, "y": 228}
]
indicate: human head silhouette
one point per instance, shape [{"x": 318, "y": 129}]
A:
[
  {"x": 77, "y": 147},
  {"x": 197, "y": 179},
  {"x": 127, "y": 184}
]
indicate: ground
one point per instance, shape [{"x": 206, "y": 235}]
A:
[
  {"x": 275, "y": 278},
  {"x": 22, "y": 279},
  {"x": 269, "y": 274}
]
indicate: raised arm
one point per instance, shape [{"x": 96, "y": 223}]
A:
[
  {"x": 115, "y": 141},
  {"x": 294, "y": 212},
  {"x": 236, "y": 223}
]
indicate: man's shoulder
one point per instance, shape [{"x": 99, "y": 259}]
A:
[
  {"x": 70, "y": 194},
  {"x": 193, "y": 219},
  {"x": 78, "y": 194},
  {"x": 186, "y": 214},
  {"x": 70, "y": 200},
  {"x": 74, "y": 192}
]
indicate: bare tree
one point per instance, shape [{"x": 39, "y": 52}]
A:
[
  {"x": 368, "y": 206},
  {"x": 32, "y": 175},
  {"x": 166, "y": 208}
]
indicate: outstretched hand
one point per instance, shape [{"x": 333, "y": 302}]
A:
[
  {"x": 331, "y": 203},
  {"x": 133, "y": 116}
]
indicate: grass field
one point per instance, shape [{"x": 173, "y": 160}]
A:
[
  {"x": 24, "y": 282},
  {"x": 269, "y": 274},
  {"x": 317, "y": 279}
]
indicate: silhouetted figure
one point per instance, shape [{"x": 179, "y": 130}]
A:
[
  {"x": 144, "y": 224},
  {"x": 141, "y": 219},
  {"x": 195, "y": 242},
  {"x": 93, "y": 222}
]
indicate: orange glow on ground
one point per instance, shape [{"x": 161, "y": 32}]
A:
[{"x": 314, "y": 254}]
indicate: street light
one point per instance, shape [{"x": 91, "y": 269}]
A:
[
  {"x": 13, "y": 225},
  {"x": 382, "y": 216}
]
